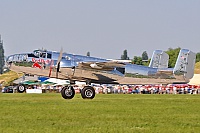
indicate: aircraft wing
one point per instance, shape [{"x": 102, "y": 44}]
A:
[{"x": 100, "y": 65}]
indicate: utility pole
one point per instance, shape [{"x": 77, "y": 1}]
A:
[{"x": 1, "y": 56}]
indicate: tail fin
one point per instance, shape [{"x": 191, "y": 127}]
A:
[
  {"x": 159, "y": 59},
  {"x": 185, "y": 64}
]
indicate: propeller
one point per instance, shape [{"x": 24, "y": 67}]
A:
[
  {"x": 58, "y": 62},
  {"x": 51, "y": 67}
]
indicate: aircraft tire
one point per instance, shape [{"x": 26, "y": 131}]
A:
[
  {"x": 68, "y": 92},
  {"x": 21, "y": 88},
  {"x": 88, "y": 92}
]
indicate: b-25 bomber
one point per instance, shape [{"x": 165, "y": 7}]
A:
[{"x": 73, "y": 67}]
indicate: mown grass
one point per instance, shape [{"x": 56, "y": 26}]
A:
[{"x": 28, "y": 113}]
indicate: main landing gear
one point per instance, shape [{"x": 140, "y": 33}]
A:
[
  {"x": 87, "y": 92},
  {"x": 68, "y": 92}
]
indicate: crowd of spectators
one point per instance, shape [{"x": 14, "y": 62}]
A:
[
  {"x": 126, "y": 89},
  {"x": 150, "y": 89}
]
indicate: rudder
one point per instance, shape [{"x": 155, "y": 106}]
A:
[
  {"x": 185, "y": 63},
  {"x": 159, "y": 59}
]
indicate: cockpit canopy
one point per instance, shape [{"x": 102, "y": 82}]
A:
[{"x": 42, "y": 54}]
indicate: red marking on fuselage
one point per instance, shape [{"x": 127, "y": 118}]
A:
[
  {"x": 36, "y": 65},
  {"x": 41, "y": 60},
  {"x": 37, "y": 62}
]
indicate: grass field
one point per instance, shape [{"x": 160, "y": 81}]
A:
[{"x": 29, "y": 113}]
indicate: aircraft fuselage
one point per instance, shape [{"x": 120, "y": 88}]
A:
[{"x": 44, "y": 63}]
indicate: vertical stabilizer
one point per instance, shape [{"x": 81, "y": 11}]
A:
[
  {"x": 185, "y": 64},
  {"x": 159, "y": 59}
]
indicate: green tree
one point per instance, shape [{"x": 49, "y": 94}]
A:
[
  {"x": 197, "y": 57},
  {"x": 145, "y": 55},
  {"x": 141, "y": 60},
  {"x": 173, "y": 54},
  {"x": 146, "y": 62},
  {"x": 88, "y": 53},
  {"x": 137, "y": 60},
  {"x": 2, "y": 63},
  {"x": 125, "y": 55}
]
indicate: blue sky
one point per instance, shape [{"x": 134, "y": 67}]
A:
[{"x": 105, "y": 28}]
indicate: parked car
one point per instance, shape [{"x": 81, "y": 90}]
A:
[{"x": 7, "y": 89}]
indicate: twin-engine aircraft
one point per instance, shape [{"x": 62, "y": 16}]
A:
[{"x": 103, "y": 71}]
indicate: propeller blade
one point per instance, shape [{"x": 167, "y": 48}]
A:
[
  {"x": 51, "y": 67},
  {"x": 60, "y": 57},
  {"x": 57, "y": 69},
  {"x": 58, "y": 62}
]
